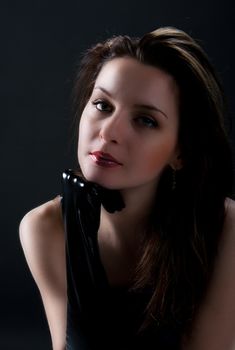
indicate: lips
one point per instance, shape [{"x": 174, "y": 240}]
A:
[{"x": 104, "y": 159}]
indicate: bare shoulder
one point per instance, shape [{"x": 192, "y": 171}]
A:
[
  {"x": 47, "y": 216},
  {"x": 230, "y": 213},
  {"x": 215, "y": 323},
  {"x": 225, "y": 261},
  {"x": 42, "y": 239},
  {"x": 227, "y": 242}
]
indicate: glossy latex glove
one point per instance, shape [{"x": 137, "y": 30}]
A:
[{"x": 87, "y": 281}]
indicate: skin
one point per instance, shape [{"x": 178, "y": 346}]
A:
[
  {"x": 143, "y": 152},
  {"x": 143, "y": 140}
]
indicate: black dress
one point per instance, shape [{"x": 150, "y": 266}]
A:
[{"x": 99, "y": 316}]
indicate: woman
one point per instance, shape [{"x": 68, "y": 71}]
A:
[{"x": 149, "y": 225}]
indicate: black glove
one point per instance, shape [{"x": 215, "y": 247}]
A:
[{"x": 86, "y": 278}]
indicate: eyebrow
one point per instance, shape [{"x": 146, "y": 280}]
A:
[{"x": 149, "y": 107}]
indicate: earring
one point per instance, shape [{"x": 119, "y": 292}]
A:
[{"x": 173, "y": 186}]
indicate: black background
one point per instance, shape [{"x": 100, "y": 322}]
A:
[{"x": 40, "y": 45}]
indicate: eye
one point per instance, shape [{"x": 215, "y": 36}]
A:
[
  {"x": 102, "y": 106},
  {"x": 146, "y": 122}
]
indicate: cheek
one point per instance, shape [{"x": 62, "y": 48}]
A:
[
  {"x": 154, "y": 163},
  {"x": 87, "y": 133},
  {"x": 84, "y": 130},
  {"x": 82, "y": 136},
  {"x": 159, "y": 157}
]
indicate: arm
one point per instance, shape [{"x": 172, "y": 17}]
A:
[
  {"x": 214, "y": 326},
  {"x": 42, "y": 239}
]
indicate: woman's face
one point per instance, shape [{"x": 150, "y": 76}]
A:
[{"x": 128, "y": 130}]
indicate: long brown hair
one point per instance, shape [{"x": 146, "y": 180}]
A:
[{"x": 180, "y": 244}]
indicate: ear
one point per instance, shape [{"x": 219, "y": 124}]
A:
[{"x": 176, "y": 162}]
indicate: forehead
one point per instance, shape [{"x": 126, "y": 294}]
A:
[{"x": 129, "y": 78}]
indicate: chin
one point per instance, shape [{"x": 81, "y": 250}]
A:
[
  {"x": 107, "y": 184},
  {"x": 102, "y": 181},
  {"x": 90, "y": 176}
]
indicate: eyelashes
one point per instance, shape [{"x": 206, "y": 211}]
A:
[
  {"x": 140, "y": 120},
  {"x": 147, "y": 122},
  {"x": 102, "y": 106}
]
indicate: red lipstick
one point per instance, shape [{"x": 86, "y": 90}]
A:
[{"x": 104, "y": 159}]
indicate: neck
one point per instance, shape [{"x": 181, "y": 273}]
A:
[
  {"x": 120, "y": 235},
  {"x": 134, "y": 217}
]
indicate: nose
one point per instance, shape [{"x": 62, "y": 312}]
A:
[{"x": 114, "y": 128}]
